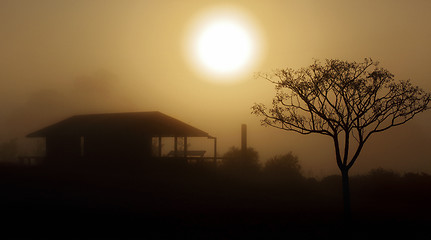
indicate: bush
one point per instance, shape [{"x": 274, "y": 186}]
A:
[
  {"x": 284, "y": 167},
  {"x": 234, "y": 161}
]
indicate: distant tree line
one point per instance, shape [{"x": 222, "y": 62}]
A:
[
  {"x": 271, "y": 198},
  {"x": 286, "y": 167},
  {"x": 280, "y": 166}
]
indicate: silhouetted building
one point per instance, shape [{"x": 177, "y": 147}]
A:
[{"x": 114, "y": 135}]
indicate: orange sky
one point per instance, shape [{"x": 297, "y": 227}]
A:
[{"x": 66, "y": 57}]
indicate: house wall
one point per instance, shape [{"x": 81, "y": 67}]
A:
[
  {"x": 114, "y": 147},
  {"x": 99, "y": 147},
  {"x": 63, "y": 147}
]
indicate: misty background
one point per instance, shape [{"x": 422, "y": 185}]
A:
[{"x": 60, "y": 58}]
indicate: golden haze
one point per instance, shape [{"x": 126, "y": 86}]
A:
[{"x": 65, "y": 57}]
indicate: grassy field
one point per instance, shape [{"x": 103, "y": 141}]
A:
[{"x": 206, "y": 202}]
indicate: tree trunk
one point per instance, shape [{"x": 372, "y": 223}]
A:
[{"x": 346, "y": 195}]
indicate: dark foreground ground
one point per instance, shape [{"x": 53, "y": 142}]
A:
[{"x": 204, "y": 202}]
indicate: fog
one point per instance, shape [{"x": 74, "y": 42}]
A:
[{"x": 60, "y": 58}]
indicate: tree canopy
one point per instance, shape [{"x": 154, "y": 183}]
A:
[
  {"x": 341, "y": 99},
  {"x": 347, "y": 101}
]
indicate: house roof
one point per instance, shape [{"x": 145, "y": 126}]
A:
[{"x": 108, "y": 124}]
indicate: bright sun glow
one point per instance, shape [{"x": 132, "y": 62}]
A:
[{"x": 222, "y": 44}]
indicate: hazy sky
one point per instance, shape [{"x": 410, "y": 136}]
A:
[{"x": 59, "y": 58}]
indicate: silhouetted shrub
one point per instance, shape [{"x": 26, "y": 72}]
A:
[
  {"x": 383, "y": 174},
  {"x": 283, "y": 167},
  {"x": 417, "y": 177},
  {"x": 235, "y": 161},
  {"x": 378, "y": 181}
]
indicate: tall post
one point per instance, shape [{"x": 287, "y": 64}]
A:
[{"x": 243, "y": 141}]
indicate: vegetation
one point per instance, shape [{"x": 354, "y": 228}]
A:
[
  {"x": 283, "y": 167},
  {"x": 235, "y": 161},
  {"x": 346, "y": 101},
  {"x": 192, "y": 202},
  {"x": 240, "y": 199}
]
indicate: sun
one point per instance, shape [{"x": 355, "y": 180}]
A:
[{"x": 222, "y": 44}]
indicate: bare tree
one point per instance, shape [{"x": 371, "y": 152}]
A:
[{"x": 346, "y": 101}]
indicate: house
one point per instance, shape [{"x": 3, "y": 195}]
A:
[{"x": 115, "y": 136}]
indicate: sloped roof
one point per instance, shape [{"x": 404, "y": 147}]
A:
[{"x": 108, "y": 124}]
